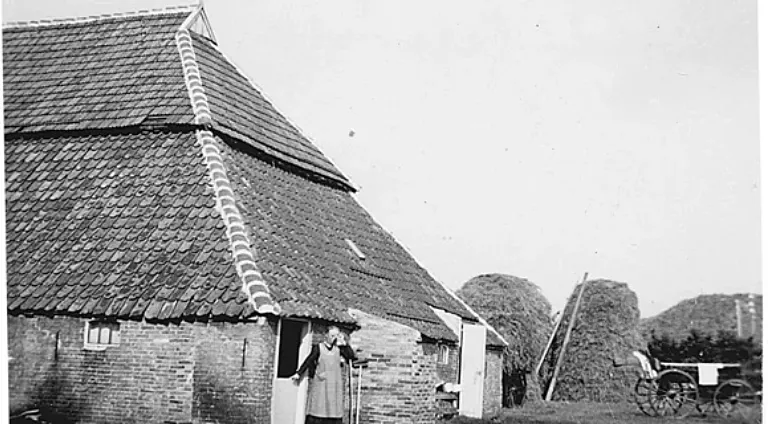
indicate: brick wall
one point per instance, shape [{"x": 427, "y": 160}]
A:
[
  {"x": 423, "y": 381},
  {"x": 233, "y": 372},
  {"x": 399, "y": 383},
  {"x": 449, "y": 372},
  {"x": 144, "y": 379},
  {"x": 158, "y": 373},
  {"x": 492, "y": 390}
]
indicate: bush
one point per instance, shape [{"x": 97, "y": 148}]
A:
[
  {"x": 725, "y": 347},
  {"x": 707, "y": 313}
]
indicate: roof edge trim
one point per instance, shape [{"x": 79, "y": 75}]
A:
[
  {"x": 199, "y": 15},
  {"x": 472, "y": 311},
  {"x": 246, "y": 145},
  {"x": 451, "y": 292},
  {"x": 254, "y": 286},
  {"x": 191, "y": 18},
  {"x": 85, "y": 19}
]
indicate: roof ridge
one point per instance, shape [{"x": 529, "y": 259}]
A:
[
  {"x": 93, "y": 18},
  {"x": 290, "y": 121}
]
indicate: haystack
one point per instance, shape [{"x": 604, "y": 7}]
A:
[
  {"x": 520, "y": 312},
  {"x": 606, "y": 326}
]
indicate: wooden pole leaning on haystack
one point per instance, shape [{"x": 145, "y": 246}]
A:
[
  {"x": 549, "y": 343},
  {"x": 560, "y": 356}
]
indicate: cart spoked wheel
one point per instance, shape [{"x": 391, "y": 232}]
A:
[
  {"x": 736, "y": 398},
  {"x": 645, "y": 389},
  {"x": 677, "y": 394}
]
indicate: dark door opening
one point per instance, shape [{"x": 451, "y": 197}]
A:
[{"x": 290, "y": 341}]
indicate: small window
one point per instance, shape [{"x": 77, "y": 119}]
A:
[
  {"x": 443, "y": 355},
  {"x": 355, "y": 249},
  {"x": 100, "y": 335}
]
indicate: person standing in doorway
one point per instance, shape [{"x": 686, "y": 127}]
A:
[{"x": 326, "y": 387}]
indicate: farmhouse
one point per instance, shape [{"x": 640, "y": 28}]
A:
[{"x": 175, "y": 244}]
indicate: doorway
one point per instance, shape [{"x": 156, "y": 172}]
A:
[{"x": 289, "y": 400}]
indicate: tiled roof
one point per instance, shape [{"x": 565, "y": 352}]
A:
[
  {"x": 300, "y": 229},
  {"x": 104, "y": 73},
  {"x": 123, "y": 71},
  {"x": 125, "y": 225},
  {"x": 107, "y": 217},
  {"x": 122, "y": 225}
]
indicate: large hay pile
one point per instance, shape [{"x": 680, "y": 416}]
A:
[
  {"x": 606, "y": 326},
  {"x": 708, "y": 314},
  {"x": 520, "y": 312}
]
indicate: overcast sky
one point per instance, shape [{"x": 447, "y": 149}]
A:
[{"x": 540, "y": 139}]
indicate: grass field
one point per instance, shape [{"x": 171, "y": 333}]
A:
[{"x": 587, "y": 413}]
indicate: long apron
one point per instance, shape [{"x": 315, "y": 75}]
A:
[{"x": 325, "y": 392}]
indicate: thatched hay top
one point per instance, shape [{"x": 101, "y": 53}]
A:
[
  {"x": 517, "y": 309},
  {"x": 707, "y": 314},
  {"x": 606, "y": 325}
]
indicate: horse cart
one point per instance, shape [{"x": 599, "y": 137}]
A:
[{"x": 680, "y": 389}]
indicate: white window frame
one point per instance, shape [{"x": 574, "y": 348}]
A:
[
  {"x": 355, "y": 249},
  {"x": 443, "y": 354},
  {"x": 99, "y": 346}
]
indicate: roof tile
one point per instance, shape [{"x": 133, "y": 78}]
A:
[
  {"x": 118, "y": 250},
  {"x": 309, "y": 240}
]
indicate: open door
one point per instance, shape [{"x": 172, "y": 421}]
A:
[
  {"x": 472, "y": 369},
  {"x": 289, "y": 400}
]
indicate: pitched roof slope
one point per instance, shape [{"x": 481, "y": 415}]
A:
[
  {"x": 120, "y": 225},
  {"x": 122, "y": 71},
  {"x": 103, "y": 73},
  {"x": 300, "y": 230},
  {"x": 240, "y": 110}
]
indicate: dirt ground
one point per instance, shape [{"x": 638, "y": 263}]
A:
[{"x": 589, "y": 413}]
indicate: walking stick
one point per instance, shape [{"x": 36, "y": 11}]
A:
[
  {"x": 361, "y": 363},
  {"x": 351, "y": 410},
  {"x": 359, "y": 393}
]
